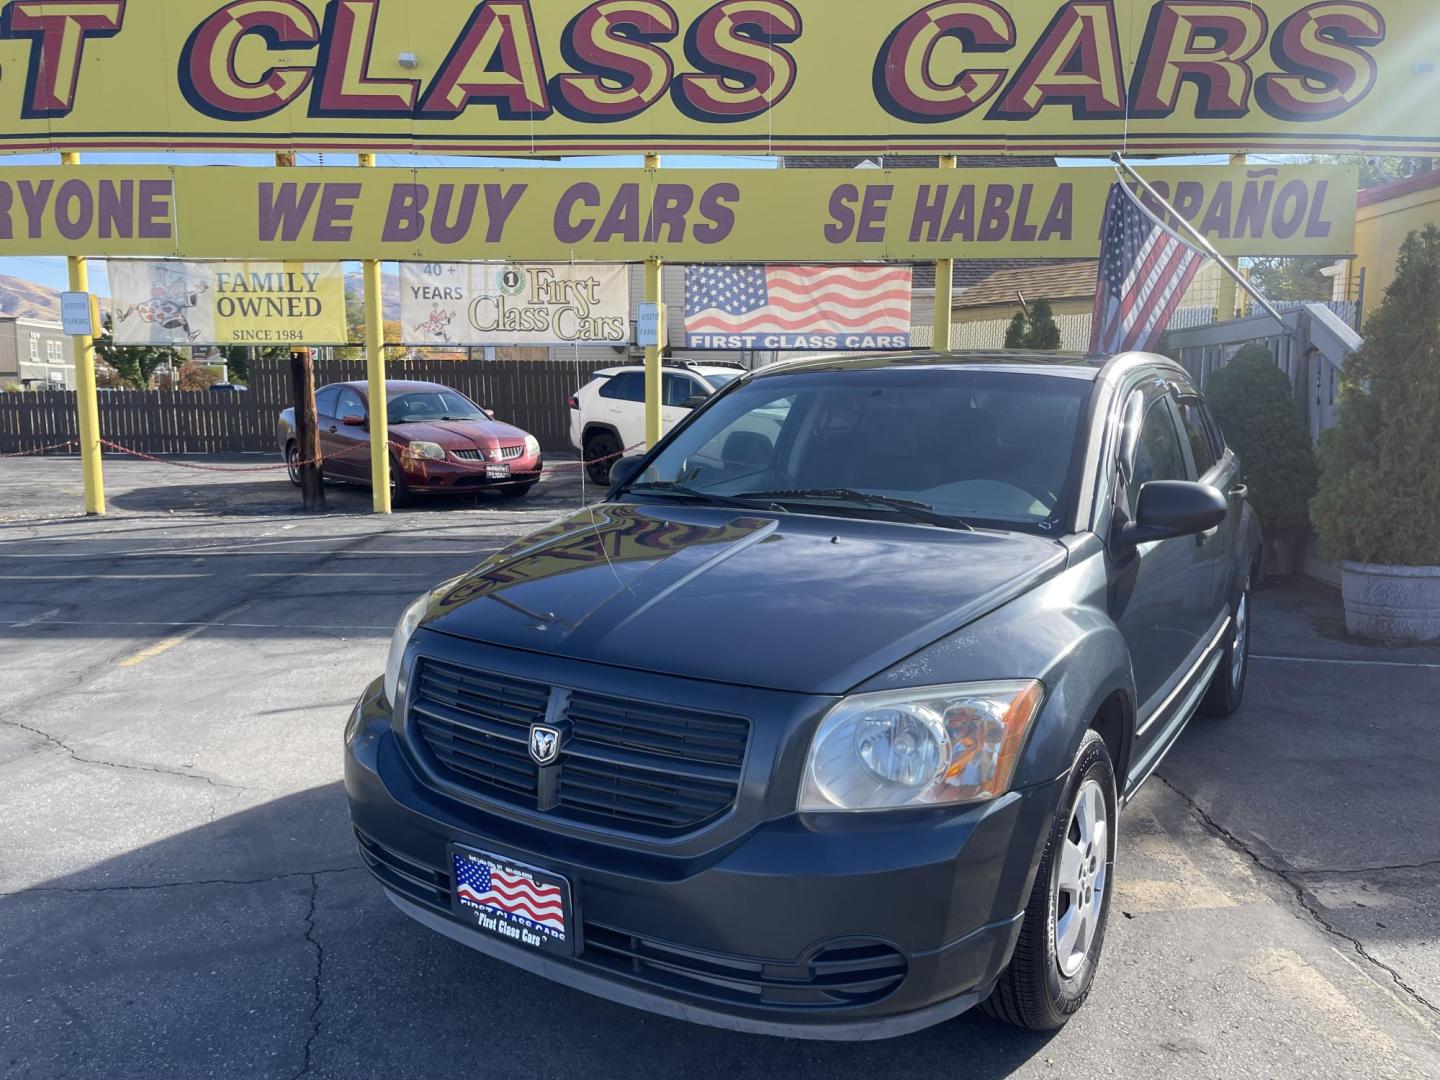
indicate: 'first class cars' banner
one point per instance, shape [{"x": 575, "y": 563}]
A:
[
  {"x": 736, "y": 76},
  {"x": 625, "y": 215}
]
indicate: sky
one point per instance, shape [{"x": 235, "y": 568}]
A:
[{"x": 52, "y": 272}]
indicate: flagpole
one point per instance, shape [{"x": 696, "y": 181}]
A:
[{"x": 1203, "y": 244}]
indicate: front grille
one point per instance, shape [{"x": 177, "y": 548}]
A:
[
  {"x": 646, "y": 768},
  {"x": 402, "y": 874},
  {"x": 507, "y": 453},
  {"x": 477, "y": 726}
]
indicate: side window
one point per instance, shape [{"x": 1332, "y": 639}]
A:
[
  {"x": 1157, "y": 453},
  {"x": 627, "y": 386},
  {"x": 350, "y": 404},
  {"x": 1201, "y": 448},
  {"x": 326, "y": 400},
  {"x": 680, "y": 389}
]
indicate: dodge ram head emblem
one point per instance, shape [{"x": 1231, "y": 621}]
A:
[{"x": 544, "y": 744}]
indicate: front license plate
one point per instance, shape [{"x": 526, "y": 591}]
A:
[
  {"x": 517, "y": 903},
  {"x": 497, "y": 472}
]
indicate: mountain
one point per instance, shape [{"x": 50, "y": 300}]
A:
[
  {"x": 28, "y": 300},
  {"x": 389, "y": 291}
]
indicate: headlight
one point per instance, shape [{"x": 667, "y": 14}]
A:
[
  {"x": 404, "y": 630},
  {"x": 532, "y": 446},
  {"x": 429, "y": 450},
  {"x": 931, "y": 746}
]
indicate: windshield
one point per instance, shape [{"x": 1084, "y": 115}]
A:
[
  {"x": 983, "y": 447},
  {"x": 419, "y": 406}
]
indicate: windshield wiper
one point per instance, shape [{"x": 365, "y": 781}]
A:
[
  {"x": 675, "y": 489},
  {"x": 917, "y": 511}
]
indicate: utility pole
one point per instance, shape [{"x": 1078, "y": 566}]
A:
[
  {"x": 307, "y": 429},
  {"x": 944, "y": 285},
  {"x": 375, "y": 379},
  {"x": 653, "y": 353},
  {"x": 86, "y": 400}
]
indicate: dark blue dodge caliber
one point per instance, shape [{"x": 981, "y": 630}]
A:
[{"x": 820, "y": 723}]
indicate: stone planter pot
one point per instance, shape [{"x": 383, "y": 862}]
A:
[{"x": 1392, "y": 603}]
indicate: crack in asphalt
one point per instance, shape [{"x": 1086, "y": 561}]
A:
[
  {"x": 313, "y": 875},
  {"x": 61, "y": 744},
  {"x": 317, "y": 990},
  {"x": 1341, "y": 871},
  {"x": 1308, "y": 903}
]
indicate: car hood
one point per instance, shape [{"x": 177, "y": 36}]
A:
[
  {"x": 786, "y": 602},
  {"x": 458, "y": 434}
]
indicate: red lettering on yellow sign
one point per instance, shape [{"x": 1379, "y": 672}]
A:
[{"x": 58, "y": 30}]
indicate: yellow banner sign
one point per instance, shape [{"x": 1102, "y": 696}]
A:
[
  {"x": 173, "y": 302},
  {"x": 738, "y": 76},
  {"x": 618, "y": 215}
]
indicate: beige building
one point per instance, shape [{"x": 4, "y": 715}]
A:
[{"x": 35, "y": 353}]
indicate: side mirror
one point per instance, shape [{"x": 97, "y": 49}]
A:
[
  {"x": 1173, "y": 508},
  {"x": 489, "y": 412},
  {"x": 625, "y": 470},
  {"x": 353, "y": 421},
  {"x": 695, "y": 402}
]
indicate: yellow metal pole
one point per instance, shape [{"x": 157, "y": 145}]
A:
[
  {"x": 653, "y": 383},
  {"x": 944, "y": 284},
  {"x": 87, "y": 404},
  {"x": 375, "y": 375},
  {"x": 1227, "y": 299}
]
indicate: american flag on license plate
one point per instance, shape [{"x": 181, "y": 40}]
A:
[
  {"x": 1145, "y": 269},
  {"x": 793, "y": 305},
  {"x": 492, "y": 886}
]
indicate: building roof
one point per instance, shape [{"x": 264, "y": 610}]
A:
[
  {"x": 1398, "y": 188},
  {"x": 1054, "y": 281}
]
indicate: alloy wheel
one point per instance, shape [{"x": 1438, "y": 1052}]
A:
[
  {"x": 292, "y": 463},
  {"x": 1081, "y": 878},
  {"x": 1241, "y": 643}
]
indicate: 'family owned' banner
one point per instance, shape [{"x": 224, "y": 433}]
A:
[
  {"x": 514, "y": 304},
  {"x": 726, "y": 76},
  {"x": 172, "y": 302}
]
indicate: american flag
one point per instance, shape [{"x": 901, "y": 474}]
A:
[
  {"x": 491, "y": 886},
  {"x": 1145, "y": 268},
  {"x": 797, "y": 299}
]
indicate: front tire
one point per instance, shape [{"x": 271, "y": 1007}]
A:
[
  {"x": 1227, "y": 687},
  {"x": 1050, "y": 975},
  {"x": 292, "y": 462},
  {"x": 400, "y": 493}
]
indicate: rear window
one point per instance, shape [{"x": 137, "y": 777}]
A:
[{"x": 627, "y": 386}]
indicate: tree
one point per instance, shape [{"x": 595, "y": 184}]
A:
[
  {"x": 1375, "y": 171},
  {"x": 1256, "y": 407},
  {"x": 1292, "y": 279},
  {"x": 237, "y": 359},
  {"x": 196, "y": 376},
  {"x": 1379, "y": 498},
  {"x": 134, "y": 364},
  {"x": 1034, "y": 328}
]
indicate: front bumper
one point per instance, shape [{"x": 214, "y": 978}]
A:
[
  {"x": 842, "y": 927},
  {"x": 448, "y": 475}
]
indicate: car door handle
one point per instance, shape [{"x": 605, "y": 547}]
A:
[{"x": 1240, "y": 491}]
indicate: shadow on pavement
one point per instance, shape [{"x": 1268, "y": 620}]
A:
[{"x": 255, "y": 946}]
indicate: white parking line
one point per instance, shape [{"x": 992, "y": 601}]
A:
[
  {"x": 1351, "y": 663},
  {"x": 200, "y": 625}
]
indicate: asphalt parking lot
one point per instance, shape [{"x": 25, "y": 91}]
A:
[{"x": 180, "y": 895}]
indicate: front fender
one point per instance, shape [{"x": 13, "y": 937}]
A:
[{"x": 1058, "y": 633}]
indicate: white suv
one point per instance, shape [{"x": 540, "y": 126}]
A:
[{"x": 607, "y": 414}]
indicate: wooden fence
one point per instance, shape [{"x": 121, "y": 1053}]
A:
[{"x": 530, "y": 395}]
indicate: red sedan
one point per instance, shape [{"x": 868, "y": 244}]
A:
[{"x": 441, "y": 442}]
